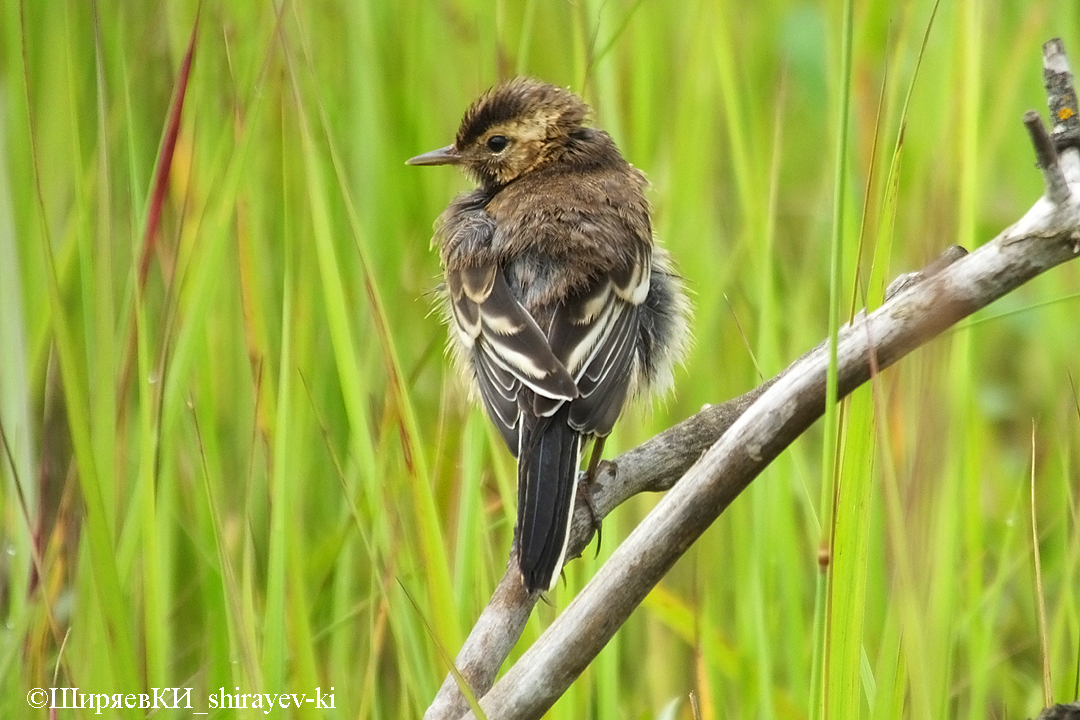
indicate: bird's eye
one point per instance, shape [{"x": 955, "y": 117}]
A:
[{"x": 497, "y": 143}]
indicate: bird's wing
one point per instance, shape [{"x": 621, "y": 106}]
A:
[
  {"x": 594, "y": 336},
  {"x": 508, "y": 349}
]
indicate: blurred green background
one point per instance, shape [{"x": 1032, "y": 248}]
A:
[{"x": 252, "y": 467}]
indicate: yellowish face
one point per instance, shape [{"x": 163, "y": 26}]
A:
[
  {"x": 510, "y": 149},
  {"x": 511, "y": 130}
]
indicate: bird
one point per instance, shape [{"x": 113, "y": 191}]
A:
[{"x": 560, "y": 304}]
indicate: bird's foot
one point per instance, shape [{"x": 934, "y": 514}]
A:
[{"x": 586, "y": 482}]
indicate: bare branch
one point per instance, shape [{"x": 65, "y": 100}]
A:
[{"x": 1060, "y": 96}]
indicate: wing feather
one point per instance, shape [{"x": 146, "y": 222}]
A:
[
  {"x": 585, "y": 357},
  {"x": 594, "y": 335},
  {"x": 498, "y": 327},
  {"x": 508, "y": 350},
  {"x": 499, "y": 390},
  {"x": 605, "y": 381}
]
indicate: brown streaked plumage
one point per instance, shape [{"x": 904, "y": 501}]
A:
[{"x": 559, "y": 303}]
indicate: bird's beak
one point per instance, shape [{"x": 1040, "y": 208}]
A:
[{"x": 443, "y": 156}]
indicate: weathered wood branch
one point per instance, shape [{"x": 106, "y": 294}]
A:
[{"x": 715, "y": 455}]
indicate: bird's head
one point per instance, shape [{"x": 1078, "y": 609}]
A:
[{"x": 512, "y": 129}]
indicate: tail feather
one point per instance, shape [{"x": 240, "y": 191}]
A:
[{"x": 549, "y": 453}]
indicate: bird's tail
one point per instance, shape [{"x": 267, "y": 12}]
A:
[{"x": 549, "y": 452}]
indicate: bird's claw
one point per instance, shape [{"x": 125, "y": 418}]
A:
[{"x": 595, "y": 521}]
